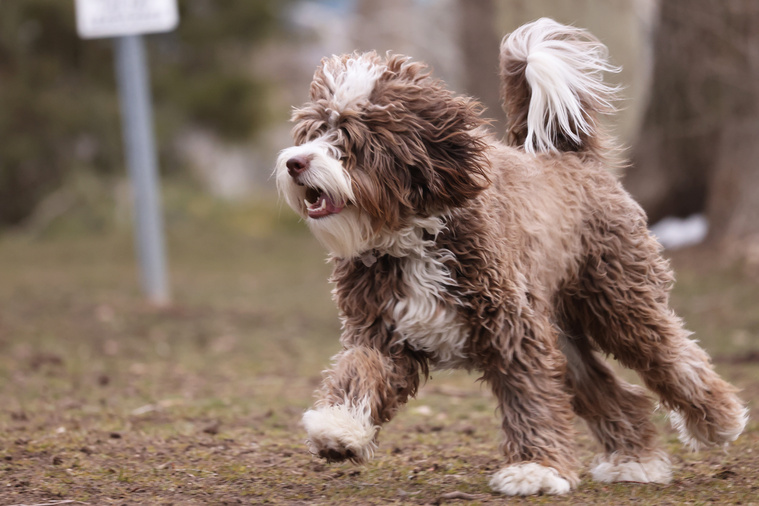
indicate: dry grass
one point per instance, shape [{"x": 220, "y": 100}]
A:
[{"x": 107, "y": 400}]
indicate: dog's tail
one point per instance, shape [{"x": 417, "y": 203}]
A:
[{"x": 553, "y": 89}]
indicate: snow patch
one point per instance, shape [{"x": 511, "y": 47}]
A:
[{"x": 674, "y": 233}]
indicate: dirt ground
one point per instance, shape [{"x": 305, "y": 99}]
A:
[{"x": 106, "y": 400}]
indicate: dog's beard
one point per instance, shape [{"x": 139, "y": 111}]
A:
[{"x": 344, "y": 235}]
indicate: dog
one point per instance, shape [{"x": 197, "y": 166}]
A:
[{"x": 524, "y": 260}]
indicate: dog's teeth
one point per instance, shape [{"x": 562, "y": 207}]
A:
[{"x": 324, "y": 205}]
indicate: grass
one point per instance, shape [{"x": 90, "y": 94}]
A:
[{"x": 107, "y": 400}]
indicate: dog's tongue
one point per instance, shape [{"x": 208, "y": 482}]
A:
[{"x": 324, "y": 206}]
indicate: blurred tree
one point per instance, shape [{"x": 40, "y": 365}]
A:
[
  {"x": 201, "y": 71},
  {"x": 699, "y": 147},
  {"x": 58, "y": 103},
  {"x": 480, "y": 45},
  {"x": 44, "y": 120}
]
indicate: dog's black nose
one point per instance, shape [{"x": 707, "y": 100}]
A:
[{"x": 296, "y": 165}]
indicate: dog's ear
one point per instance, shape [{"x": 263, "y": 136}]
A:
[
  {"x": 418, "y": 161},
  {"x": 454, "y": 169},
  {"x": 384, "y": 191},
  {"x": 438, "y": 137}
]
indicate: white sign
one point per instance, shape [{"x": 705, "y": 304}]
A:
[{"x": 114, "y": 18}]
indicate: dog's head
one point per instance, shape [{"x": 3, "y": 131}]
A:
[{"x": 379, "y": 143}]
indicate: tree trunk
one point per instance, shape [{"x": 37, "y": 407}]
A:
[
  {"x": 480, "y": 46},
  {"x": 733, "y": 206},
  {"x": 699, "y": 147}
]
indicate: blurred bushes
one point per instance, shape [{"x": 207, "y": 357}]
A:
[
  {"x": 59, "y": 111},
  {"x": 201, "y": 71},
  {"x": 54, "y": 91}
]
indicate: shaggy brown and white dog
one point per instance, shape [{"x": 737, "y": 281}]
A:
[{"x": 521, "y": 261}]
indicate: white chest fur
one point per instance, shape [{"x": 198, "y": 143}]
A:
[{"x": 424, "y": 318}]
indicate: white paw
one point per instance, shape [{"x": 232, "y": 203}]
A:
[
  {"x": 696, "y": 436},
  {"x": 529, "y": 479},
  {"x": 341, "y": 432},
  {"x": 653, "y": 468}
]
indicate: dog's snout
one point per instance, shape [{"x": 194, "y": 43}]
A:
[{"x": 296, "y": 165}]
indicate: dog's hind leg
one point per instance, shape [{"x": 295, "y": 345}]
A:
[
  {"x": 537, "y": 416},
  {"x": 622, "y": 302},
  {"x": 617, "y": 413}
]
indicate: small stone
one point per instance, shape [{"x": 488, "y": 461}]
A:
[{"x": 212, "y": 429}]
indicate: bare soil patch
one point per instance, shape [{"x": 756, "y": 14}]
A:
[{"x": 106, "y": 400}]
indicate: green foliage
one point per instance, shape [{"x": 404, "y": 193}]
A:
[
  {"x": 206, "y": 23},
  {"x": 49, "y": 100},
  {"x": 59, "y": 110},
  {"x": 229, "y": 103},
  {"x": 208, "y": 80}
]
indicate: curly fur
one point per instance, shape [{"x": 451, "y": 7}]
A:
[{"x": 521, "y": 260}]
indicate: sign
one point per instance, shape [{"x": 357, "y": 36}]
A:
[
  {"x": 116, "y": 18},
  {"x": 125, "y": 21}
]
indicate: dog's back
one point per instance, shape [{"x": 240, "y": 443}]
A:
[{"x": 557, "y": 173}]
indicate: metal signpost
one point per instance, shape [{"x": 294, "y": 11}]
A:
[{"x": 126, "y": 20}]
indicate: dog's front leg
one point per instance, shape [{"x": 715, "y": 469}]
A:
[{"x": 363, "y": 390}]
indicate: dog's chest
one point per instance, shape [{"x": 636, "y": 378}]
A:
[{"x": 425, "y": 316}]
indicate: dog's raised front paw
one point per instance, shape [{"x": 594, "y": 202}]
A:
[{"x": 341, "y": 432}]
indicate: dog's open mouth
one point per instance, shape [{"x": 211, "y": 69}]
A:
[{"x": 319, "y": 204}]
